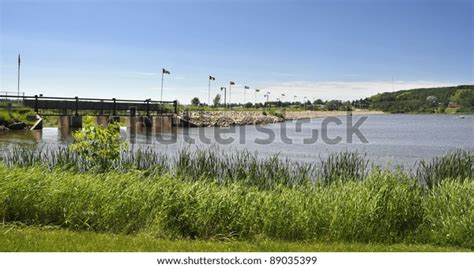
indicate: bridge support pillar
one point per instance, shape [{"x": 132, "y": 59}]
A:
[
  {"x": 76, "y": 121},
  {"x": 162, "y": 123},
  {"x": 68, "y": 121},
  {"x": 102, "y": 120},
  {"x": 63, "y": 122},
  {"x": 175, "y": 120},
  {"x": 139, "y": 123}
]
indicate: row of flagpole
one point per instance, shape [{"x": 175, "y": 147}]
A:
[{"x": 212, "y": 78}]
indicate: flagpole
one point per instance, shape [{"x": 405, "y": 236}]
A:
[
  {"x": 162, "y": 75},
  {"x": 18, "y": 85},
  {"x": 225, "y": 97},
  {"x": 209, "y": 93},
  {"x": 245, "y": 90},
  {"x": 255, "y": 97}
]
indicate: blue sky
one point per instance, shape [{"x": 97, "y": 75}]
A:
[{"x": 318, "y": 49}]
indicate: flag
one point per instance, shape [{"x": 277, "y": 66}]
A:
[
  {"x": 232, "y": 83},
  {"x": 19, "y": 60},
  {"x": 211, "y": 78},
  {"x": 257, "y": 90},
  {"x": 166, "y": 71},
  {"x": 246, "y": 87}
]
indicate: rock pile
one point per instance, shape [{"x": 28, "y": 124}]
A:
[{"x": 228, "y": 118}]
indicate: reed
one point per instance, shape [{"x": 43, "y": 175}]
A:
[
  {"x": 457, "y": 165},
  {"x": 215, "y": 165},
  {"x": 210, "y": 164},
  {"x": 386, "y": 207}
]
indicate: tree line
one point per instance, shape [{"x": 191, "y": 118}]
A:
[{"x": 421, "y": 100}]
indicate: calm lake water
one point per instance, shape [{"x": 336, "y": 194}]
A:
[{"x": 390, "y": 140}]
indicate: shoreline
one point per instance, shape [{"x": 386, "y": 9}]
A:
[{"x": 240, "y": 118}]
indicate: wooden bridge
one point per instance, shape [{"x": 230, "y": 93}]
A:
[{"x": 148, "y": 112}]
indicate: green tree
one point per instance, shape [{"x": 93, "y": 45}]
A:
[
  {"x": 195, "y": 101},
  {"x": 318, "y": 102},
  {"x": 217, "y": 100}
]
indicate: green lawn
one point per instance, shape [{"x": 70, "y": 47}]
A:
[{"x": 48, "y": 239}]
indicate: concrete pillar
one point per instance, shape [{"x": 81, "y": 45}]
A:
[
  {"x": 68, "y": 122},
  {"x": 175, "y": 121},
  {"x": 162, "y": 123},
  {"x": 102, "y": 120},
  {"x": 132, "y": 127},
  {"x": 76, "y": 121},
  {"x": 64, "y": 128},
  {"x": 167, "y": 122},
  {"x": 143, "y": 123},
  {"x": 156, "y": 124},
  {"x": 63, "y": 122}
]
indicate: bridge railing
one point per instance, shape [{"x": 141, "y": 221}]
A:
[
  {"x": 94, "y": 106},
  {"x": 11, "y": 96}
]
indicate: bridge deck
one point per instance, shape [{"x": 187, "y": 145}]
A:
[{"x": 92, "y": 106}]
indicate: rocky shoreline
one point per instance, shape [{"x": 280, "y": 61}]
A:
[
  {"x": 239, "y": 118},
  {"x": 228, "y": 118}
]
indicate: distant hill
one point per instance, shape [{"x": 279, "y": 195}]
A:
[{"x": 426, "y": 100}]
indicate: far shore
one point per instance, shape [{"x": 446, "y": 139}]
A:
[{"x": 319, "y": 114}]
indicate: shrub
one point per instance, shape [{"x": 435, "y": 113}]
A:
[{"x": 99, "y": 145}]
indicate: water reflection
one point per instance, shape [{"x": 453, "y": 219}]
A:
[{"x": 22, "y": 136}]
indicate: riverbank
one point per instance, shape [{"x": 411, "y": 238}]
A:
[
  {"x": 231, "y": 118},
  {"x": 16, "y": 117},
  {"x": 254, "y": 199}
]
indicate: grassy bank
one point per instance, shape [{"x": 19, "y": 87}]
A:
[
  {"x": 50, "y": 239},
  {"x": 14, "y": 113},
  {"x": 382, "y": 208}
]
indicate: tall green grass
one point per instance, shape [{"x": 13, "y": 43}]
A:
[
  {"x": 208, "y": 193},
  {"x": 213, "y": 164},
  {"x": 209, "y": 164},
  {"x": 384, "y": 208},
  {"x": 456, "y": 165}
]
